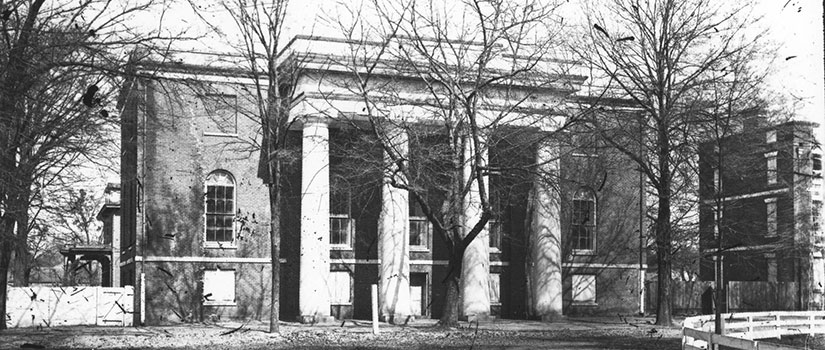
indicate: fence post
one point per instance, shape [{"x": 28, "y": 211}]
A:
[
  {"x": 811, "y": 324},
  {"x": 776, "y": 327}
]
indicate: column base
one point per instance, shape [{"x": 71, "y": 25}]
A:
[
  {"x": 478, "y": 318},
  {"x": 317, "y": 319}
]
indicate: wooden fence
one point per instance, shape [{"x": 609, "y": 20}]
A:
[
  {"x": 69, "y": 306},
  {"x": 743, "y": 330},
  {"x": 688, "y": 297}
]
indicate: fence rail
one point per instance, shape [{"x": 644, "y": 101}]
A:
[{"x": 742, "y": 330}]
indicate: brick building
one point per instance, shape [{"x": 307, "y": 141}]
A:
[
  {"x": 769, "y": 187},
  {"x": 195, "y": 214}
]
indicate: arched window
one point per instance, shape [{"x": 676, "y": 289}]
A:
[
  {"x": 220, "y": 208},
  {"x": 583, "y": 224}
]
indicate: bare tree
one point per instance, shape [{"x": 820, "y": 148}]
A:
[
  {"x": 466, "y": 75},
  {"x": 59, "y": 62},
  {"x": 662, "y": 55},
  {"x": 260, "y": 24}
]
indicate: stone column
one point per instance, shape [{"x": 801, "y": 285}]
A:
[
  {"x": 394, "y": 239},
  {"x": 475, "y": 268},
  {"x": 313, "y": 299},
  {"x": 545, "y": 236}
]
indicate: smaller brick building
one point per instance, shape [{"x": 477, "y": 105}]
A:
[{"x": 768, "y": 183}]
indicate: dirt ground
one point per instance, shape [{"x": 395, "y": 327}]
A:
[{"x": 570, "y": 333}]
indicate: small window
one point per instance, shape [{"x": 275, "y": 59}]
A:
[
  {"x": 341, "y": 223},
  {"x": 220, "y": 208},
  {"x": 816, "y": 216},
  {"x": 583, "y": 222},
  {"x": 817, "y": 163},
  {"x": 584, "y": 289},
  {"x": 340, "y": 285},
  {"x": 770, "y": 136},
  {"x": 218, "y": 287},
  {"x": 419, "y": 227},
  {"x": 495, "y": 288},
  {"x": 770, "y": 213},
  {"x": 771, "y": 167},
  {"x": 717, "y": 184},
  {"x": 222, "y": 112}
]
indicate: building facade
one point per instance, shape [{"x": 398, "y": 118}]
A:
[
  {"x": 762, "y": 202},
  {"x": 195, "y": 215}
]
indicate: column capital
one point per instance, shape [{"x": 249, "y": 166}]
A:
[{"x": 314, "y": 119}]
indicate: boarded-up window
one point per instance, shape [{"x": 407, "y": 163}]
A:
[
  {"x": 219, "y": 287},
  {"x": 222, "y": 113},
  {"x": 495, "y": 288},
  {"x": 584, "y": 289},
  {"x": 340, "y": 285}
]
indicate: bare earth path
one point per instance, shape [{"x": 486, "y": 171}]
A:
[{"x": 570, "y": 333}]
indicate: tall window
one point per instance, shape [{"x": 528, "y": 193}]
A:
[
  {"x": 341, "y": 224},
  {"x": 583, "y": 222},
  {"x": 770, "y": 212},
  {"x": 771, "y": 167},
  {"x": 419, "y": 227},
  {"x": 220, "y": 208}
]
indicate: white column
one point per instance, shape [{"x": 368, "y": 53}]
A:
[
  {"x": 116, "y": 249},
  {"x": 545, "y": 234},
  {"x": 394, "y": 238},
  {"x": 475, "y": 269},
  {"x": 313, "y": 299}
]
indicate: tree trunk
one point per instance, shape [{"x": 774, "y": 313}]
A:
[
  {"x": 6, "y": 248},
  {"x": 450, "y": 316},
  {"x": 22, "y": 259},
  {"x": 275, "y": 251},
  {"x": 663, "y": 248}
]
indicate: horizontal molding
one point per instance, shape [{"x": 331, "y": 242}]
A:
[
  {"x": 749, "y": 195},
  {"x": 577, "y": 265},
  {"x": 412, "y": 262},
  {"x": 204, "y": 259}
]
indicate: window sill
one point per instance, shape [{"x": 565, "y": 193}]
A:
[
  {"x": 584, "y": 252},
  {"x": 419, "y": 248},
  {"x": 341, "y": 304},
  {"x": 494, "y": 250},
  {"x": 219, "y": 134},
  {"x": 339, "y": 247},
  {"x": 585, "y": 303},
  {"x": 219, "y": 303},
  {"x": 216, "y": 245}
]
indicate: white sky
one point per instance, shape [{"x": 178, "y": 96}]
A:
[{"x": 794, "y": 26}]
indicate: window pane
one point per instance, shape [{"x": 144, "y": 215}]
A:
[{"x": 415, "y": 232}]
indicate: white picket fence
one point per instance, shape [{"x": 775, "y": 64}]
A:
[
  {"x": 742, "y": 329},
  {"x": 69, "y": 306}
]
